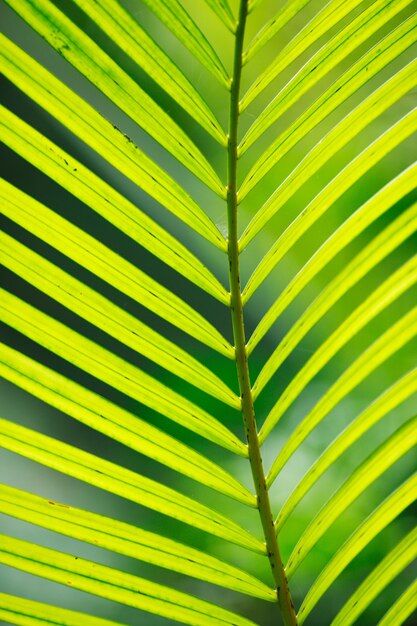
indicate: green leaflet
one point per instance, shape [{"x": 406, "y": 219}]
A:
[
  {"x": 402, "y": 608},
  {"x": 359, "y": 74},
  {"x": 273, "y": 27},
  {"x": 102, "y": 136},
  {"x": 120, "y": 481},
  {"x": 351, "y": 173},
  {"x": 14, "y": 610},
  {"x": 383, "y": 515},
  {"x": 114, "y": 371},
  {"x": 179, "y": 22},
  {"x": 400, "y": 391},
  {"x": 381, "y": 350},
  {"x": 113, "y": 584},
  {"x": 379, "y": 248},
  {"x": 106, "y": 417},
  {"x": 109, "y": 266},
  {"x": 392, "y": 565},
  {"x": 100, "y": 197},
  {"x": 223, "y": 11},
  {"x": 372, "y": 254},
  {"x": 333, "y": 52},
  {"x": 129, "y": 540},
  {"x": 124, "y": 30},
  {"x": 396, "y": 446},
  {"x": 86, "y": 56},
  {"x": 110, "y": 318}
]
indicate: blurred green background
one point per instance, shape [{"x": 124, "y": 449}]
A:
[{"x": 19, "y": 406}]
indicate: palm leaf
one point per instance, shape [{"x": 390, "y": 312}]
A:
[{"x": 121, "y": 283}]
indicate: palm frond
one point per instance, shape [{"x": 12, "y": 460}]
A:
[{"x": 118, "y": 314}]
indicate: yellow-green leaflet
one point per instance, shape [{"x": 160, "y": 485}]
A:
[
  {"x": 180, "y": 23},
  {"x": 325, "y": 59},
  {"x": 360, "y": 73},
  {"x": 106, "y": 417},
  {"x": 402, "y": 608},
  {"x": 372, "y": 254},
  {"x": 396, "y": 446},
  {"x": 129, "y": 540},
  {"x": 124, "y": 30},
  {"x": 113, "y": 370},
  {"x": 400, "y": 391},
  {"x": 110, "y": 318},
  {"x": 106, "y": 201},
  {"x": 382, "y": 349},
  {"x": 14, "y": 610},
  {"x": 270, "y": 29},
  {"x": 88, "y": 252},
  {"x": 389, "y": 290},
  {"x": 361, "y": 164},
  {"x": 101, "y": 136},
  {"x": 383, "y": 515},
  {"x": 224, "y": 13},
  {"x": 392, "y": 565},
  {"x": 99, "y": 68},
  {"x": 113, "y": 584},
  {"x": 120, "y": 481}
]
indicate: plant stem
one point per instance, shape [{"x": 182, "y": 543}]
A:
[{"x": 264, "y": 505}]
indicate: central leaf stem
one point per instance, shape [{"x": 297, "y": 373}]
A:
[{"x": 264, "y": 505}]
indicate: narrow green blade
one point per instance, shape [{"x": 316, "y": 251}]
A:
[
  {"x": 113, "y": 584},
  {"x": 392, "y": 565},
  {"x": 15, "y": 610},
  {"x": 381, "y": 350},
  {"x": 402, "y": 608},
  {"x": 272, "y": 27},
  {"x": 99, "y": 68},
  {"x": 373, "y": 253},
  {"x": 72, "y": 461},
  {"x": 371, "y": 306},
  {"x": 107, "y": 265},
  {"x": 223, "y": 11},
  {"x": 98, "y": 133},
  {"x": 113, "y": 320},
  {"x": 400, "y": 391},
  {"x": 129, "y": 540},
  {"x": 98, "y": 413},
  {"x": 126, "y": 32},
  {"x": 383, "y": 515},
  {"x": 179, "y": 22},
  {"x": 350, "y": 174},
  {"x": 321, "y": 63},
  {"x": 396, "y": 446},
  {"x": 114, "y": 371},
  {"x": 392, "y": 46}
]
